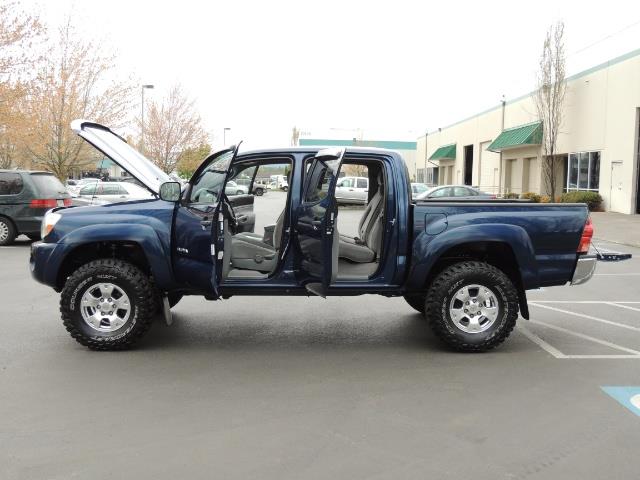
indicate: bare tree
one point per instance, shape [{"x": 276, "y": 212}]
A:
[
  {"x": 75, "y": 81},
  {"x": 172, "y": 126},
  {"x": 549, "y": 100},
  {"x": 20, "y": 36}
]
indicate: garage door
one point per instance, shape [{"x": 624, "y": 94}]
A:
[{"x": 489, "y": 169}]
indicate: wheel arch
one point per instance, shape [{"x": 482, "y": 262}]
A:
[
  {"x": 507, "y": 247},
  {"x": 137, "y": 244}
]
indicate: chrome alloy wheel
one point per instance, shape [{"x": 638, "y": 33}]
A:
[
  {"x": 474, "y": 308},
  {"x": 4, "y": 231},
  {"x": 105, "y": 307}
]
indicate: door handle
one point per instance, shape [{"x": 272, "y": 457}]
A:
[
  {"x": 316, "y": 224},
  {"x": 205, "y": 223}
]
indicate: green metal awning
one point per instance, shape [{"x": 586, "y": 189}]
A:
[
  {"x": 521, "y": 136},
  {"x": 446, "y": 152}
]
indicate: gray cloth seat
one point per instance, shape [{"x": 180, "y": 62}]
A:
[
  {"x": 365, "y": 247},
  {"x": 249, "y": 251}
]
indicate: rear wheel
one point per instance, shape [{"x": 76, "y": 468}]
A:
[
  {"x": 7, "y": 231},
  {"x": 472, "y": 306},
  {"x": 259, "y": 192},
  {"x": 416, "y": 302},
  {"x": 108, "y": 304}
]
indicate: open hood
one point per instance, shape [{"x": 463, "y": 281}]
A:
[{"x": 117, "y": 149}]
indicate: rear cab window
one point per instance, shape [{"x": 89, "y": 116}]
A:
[
  {"x": 10, "y": 183},
  {"x": 48, "y": 186}
]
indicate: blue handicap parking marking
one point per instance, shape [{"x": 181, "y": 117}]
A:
[{"x": 627, "y": 396}]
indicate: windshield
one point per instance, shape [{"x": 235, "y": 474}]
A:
[
  {"x": 207, "y": 187},
  {"x": 48, "y": 185}
]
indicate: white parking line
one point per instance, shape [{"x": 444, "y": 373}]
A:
[
  {"x": 586, "y": 301},
  {"x": 623, "y": 306},
  {"x": 588, "y": 317},
  {"x": 541, "y": 343},
  {"x": 635, "y": 353},
  {"x": 615, "y": 274}
]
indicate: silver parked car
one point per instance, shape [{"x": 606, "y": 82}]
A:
[
  {"x": 102, "y": 193},
  {"x": 352, "y": 190},
  {"x": 453, "y": 191}
]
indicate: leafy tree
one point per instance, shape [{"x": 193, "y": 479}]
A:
[{"x": 190, "y": 158}]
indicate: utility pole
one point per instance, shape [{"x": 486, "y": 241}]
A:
[
  {"x": 144, "y": 87},
  {"x": 504, "y": 103}
]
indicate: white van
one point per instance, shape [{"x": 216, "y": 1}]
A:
[{"x": 352, "y": 190}]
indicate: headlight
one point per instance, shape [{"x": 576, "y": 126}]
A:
[{"x": 48, "y": 222}]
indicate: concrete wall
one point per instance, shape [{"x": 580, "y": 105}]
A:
[{"x": 600, "y": 114}]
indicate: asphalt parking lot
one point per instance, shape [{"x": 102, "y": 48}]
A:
[{"x": 353, "y": 387}]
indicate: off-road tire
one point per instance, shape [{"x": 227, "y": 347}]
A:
[
  {"x": 448, "y": 282},
  {"x": 416, "y": 302},
  {"x": 138, "y": 287},
  {"x": 10, "y": 229}
]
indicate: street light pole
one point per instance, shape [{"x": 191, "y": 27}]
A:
[
  {"x": 142, "y": 117},
  {"x": 224, "y": 136}
]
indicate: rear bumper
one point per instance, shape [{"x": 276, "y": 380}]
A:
[{"x": 585, "y": 268}]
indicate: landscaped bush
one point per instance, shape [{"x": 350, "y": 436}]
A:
[
  {"x": 592, "y": 199},
  {"x": 545, "y": 199},
  {"x": 511, "y": 196},
  {"x": 534, "y": 197}
]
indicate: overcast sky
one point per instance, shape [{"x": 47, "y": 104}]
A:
[{"x": 396, "y": 68}]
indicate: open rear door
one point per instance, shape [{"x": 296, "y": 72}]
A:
[{"x": 317, "y": 236}]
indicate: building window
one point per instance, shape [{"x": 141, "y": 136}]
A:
[
  {"x": 420, "y": 175},
  {"x": 432, "y": 176},
  {"x": 583, "y": 171}
]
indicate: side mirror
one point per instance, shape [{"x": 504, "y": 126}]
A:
[{"x": 170, "y": 191}]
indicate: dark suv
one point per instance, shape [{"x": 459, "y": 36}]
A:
[{"x": 24, "y": 199}]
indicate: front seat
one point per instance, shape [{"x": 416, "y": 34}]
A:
[
  {"x": 251, "y": 251},
  {"x": 365, "y": 247}
]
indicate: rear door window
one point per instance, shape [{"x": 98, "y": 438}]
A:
[
  {"x": 441, "y": 192},
  {"x": 10, "y": 183},
  {"x": 48, "y": 186}
]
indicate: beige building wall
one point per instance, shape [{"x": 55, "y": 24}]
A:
[{"x": 601, "y": 113}]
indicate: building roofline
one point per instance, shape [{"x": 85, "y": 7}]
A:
[{"x": 575, "y": 76}]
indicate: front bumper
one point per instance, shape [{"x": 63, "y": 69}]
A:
[
  {"x": 42, "y": 264},
  {"x": 585, "y": 268}
]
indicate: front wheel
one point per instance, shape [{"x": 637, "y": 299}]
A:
[
  {"x": 108, "y": 304},
  {"x": 472, "y": 306},
  {"x": 259, "y": 192}
]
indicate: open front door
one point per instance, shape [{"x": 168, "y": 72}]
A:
[{"x": 317, "y": 236}]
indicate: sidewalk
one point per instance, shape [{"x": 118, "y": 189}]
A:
[{"x": 617, "y": 228}]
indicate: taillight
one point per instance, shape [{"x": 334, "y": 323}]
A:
[
  {"x": 44, "y": 203},
  {"x": 585, "y": 239},
  {"x": 67, "y": 202}
]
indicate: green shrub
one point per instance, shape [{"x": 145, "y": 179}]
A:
[
  {"x": 534, "y": 197},
  {"x": 545, "y": 199},
  {"x": 592, "y": 199},
  {"x": 510, "y": 196}
]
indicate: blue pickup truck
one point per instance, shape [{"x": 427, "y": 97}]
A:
[{"x": 464, "y": 264}]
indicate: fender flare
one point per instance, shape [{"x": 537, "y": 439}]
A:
[
  {"x": 428, "y": 249},
  {"x": 156, "y": 250}
]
